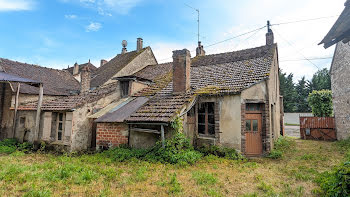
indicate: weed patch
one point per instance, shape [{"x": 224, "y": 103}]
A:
[
  {"x": 282, "y": 145},
  {"x": 203, "y": 178}
]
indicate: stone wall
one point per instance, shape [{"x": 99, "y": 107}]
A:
[
  {"x": 111, "y": 134},
  {"x": 340, "y": 77}
]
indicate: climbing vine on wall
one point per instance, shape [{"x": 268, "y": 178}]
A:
[{"x": 177, "y": 124}]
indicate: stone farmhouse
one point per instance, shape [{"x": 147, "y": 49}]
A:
[
  {"x": 229, "y": 99},
  {"x": 339, "y": 34},
  {"x": 70, "y": 96}
]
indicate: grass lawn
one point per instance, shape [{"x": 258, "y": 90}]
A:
[{"x": 93, "y": 175}]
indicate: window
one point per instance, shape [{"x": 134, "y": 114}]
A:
[
  {"x": 60, "y": 126},
  {"x": 251, "y": 126},
  {"x": 206, "y": 118},
  {"x": 253, "y": 107},
  {"x": 124, "y": 85}
]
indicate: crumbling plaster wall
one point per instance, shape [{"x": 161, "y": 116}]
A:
[
  {"x": 340, "y": 78},
  {"x": 82, "y": 125}
]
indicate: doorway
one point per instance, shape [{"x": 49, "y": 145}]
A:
[{"x": 253, "y": 134}]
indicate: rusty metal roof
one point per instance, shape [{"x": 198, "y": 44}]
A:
[{"x": 123, "y": 111}]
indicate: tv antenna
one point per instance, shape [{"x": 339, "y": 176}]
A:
[{"x": 197, "y": 10}]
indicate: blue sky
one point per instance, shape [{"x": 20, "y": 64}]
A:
[{"x": 58, "y": 33}]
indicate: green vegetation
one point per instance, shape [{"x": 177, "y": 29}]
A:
[
  {"x": 295, "y": 174},
  {"x": 281, "y": 145},
  {"x": 295, "y": 94},
  {"x": 321, "y": 103}
]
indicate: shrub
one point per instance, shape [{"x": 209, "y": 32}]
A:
[
  {"x": 336, "y": 182},
  {"x": 282, "y": 145},
  {"x": 220, "y": 151},
  {"x": 321, "y": 103}
]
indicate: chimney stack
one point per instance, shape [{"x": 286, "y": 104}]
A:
[
  {"x": 269, "y": 35},
  {"x": 139, "y": 44},
  {"x": 200, "y": 50},
  {"x": 103, "y": 62},
  {"x": 85, "y": 80},
  {"x": 181, "y": 71},
  {"x": 76, "y": 69},
  {"x": 124, "y": 44}
]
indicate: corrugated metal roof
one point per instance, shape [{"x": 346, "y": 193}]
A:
[
  {"x": 120, "y": 113},
  {"x": 111, "y": 107},
  {"x": 5, "y": 77}
]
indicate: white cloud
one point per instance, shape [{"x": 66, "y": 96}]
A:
[
  {"x": 93, "y": 26},
  {"x": 16, "y": 5},
  {"x": 70, "y": 16}
]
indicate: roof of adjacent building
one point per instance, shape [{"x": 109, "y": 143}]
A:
[
  {"x": 55, "y": 82},
  {"x": 340, "y": 30},
  {"x": 5, "y": 77},
  {"x": 68, "y": 103},
  {"x": 123, "y": 110},
  {"x": 81, "y": 66},
  {"x": 111, "y": 68},
  {"x": 219, "y": 74}
]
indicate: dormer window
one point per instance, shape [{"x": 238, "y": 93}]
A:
[{"x": 124, "y": 86}]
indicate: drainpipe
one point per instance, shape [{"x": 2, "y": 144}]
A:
[
  {"x": 38, "y": 111},
  {"x": 162, "y": 135}
]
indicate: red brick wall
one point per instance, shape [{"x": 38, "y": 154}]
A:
[{"x": 111, "y": 134}]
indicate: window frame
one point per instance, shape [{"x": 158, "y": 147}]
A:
[
  {"x": 206, "y": 123},
  {"x": 124, "y": 89},
  {"x": 58, "y": 121}
]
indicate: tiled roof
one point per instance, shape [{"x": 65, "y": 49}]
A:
[
  {"x": 226, "y": 73},
  {"x": 81, "y": 66},
  {"x": 55, "y": 82},
  {"x": 71, "y": 102},
  {"x": 341, "y": 28},
  {"x": 108, "y": 70}
]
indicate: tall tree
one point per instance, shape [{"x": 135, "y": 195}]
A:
[
  {"x": 302, "y": 89},
  {"x": 288, "y": 92},
  {"x": 321, "y": 80}
]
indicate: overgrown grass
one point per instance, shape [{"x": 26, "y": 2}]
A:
[{"x": 281, "y": 145}]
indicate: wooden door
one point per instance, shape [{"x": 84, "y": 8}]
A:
[{"x": 253, "y": 134}]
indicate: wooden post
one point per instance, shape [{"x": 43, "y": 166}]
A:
[
  {"x": 162, "y": 135},
  {"x": 16, "y": 108},
  {"x": 38, "y": 111}
]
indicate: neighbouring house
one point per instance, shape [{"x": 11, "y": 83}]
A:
[
  {"x": 340, "y": 71},
  {"x": 67, "y": 122},
  {"x": 76, "y": 69},
  {"x": 56, "y": 84},
  {"x": 230, "y": 99}
]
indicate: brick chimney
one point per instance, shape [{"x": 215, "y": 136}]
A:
[
  {"x": 76, "y": 69},
  {"x": 181, "y": 71},
  {"x": 269, "y": 35},
  {"x": 139, "y": 44},
  {"x": 200, "y": 50},
  {"x": 85, "y": 80},
  {"x": 103, "y": 62}
]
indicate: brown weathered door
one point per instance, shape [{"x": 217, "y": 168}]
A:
[{"x": 253, "y": 134}]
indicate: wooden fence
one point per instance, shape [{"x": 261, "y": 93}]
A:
[{"x": 318, "y": 128}]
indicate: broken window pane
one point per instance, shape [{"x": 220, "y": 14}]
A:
[
  {"x": 211, "y": 129},
  {"x": 201, "y": 129},
  {"x": 248, "y": 125},
  {"x": 211, "y": 119},
  {"x": 255, "y": 125},
  {"x": 210, "y": 108}
]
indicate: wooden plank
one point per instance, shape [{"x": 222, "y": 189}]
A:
[
  {"x": 162, "y": 135},
  {"x": 145, "y": 130},
  {"x": 16, "y": 109},
  {"x": 38, "y": 111}
]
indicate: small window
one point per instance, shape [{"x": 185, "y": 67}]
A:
[
  {"x": 253, "y": 107},
  {"x": 60, "y": 126},
  {"x": 206, "y": 118},
  {"x": 22, "y": 120},
  {"x": 124, "y": 85}
]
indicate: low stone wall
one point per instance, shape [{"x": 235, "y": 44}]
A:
[{"x": 111, "y": 135}]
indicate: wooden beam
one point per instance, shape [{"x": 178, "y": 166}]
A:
[
  {"x": 145, "y": 130},
  {"x": 162, "y": 135},
  {"x": 16, "y": 108},
  {"x": 38, "y": 111}
]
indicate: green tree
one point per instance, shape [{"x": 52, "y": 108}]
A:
[
  {"x": 302, "y": 89},
  {"x": 321, "y": 80},
  {"x": 287, "y": 90},
  {"x": 321, "y": 103}
]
